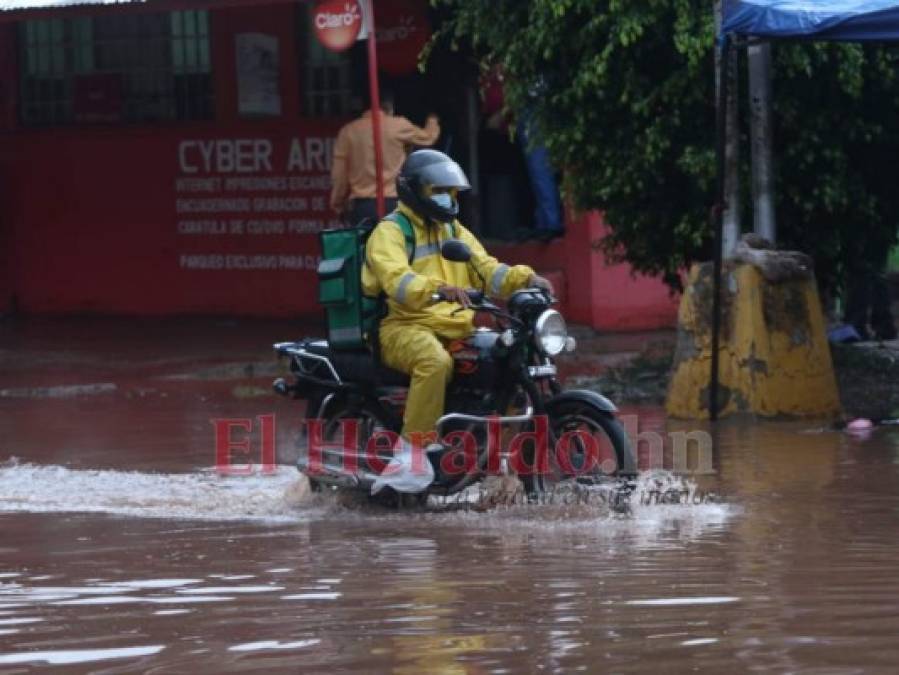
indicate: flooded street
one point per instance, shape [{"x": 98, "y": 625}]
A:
[{"x": 123, "y": 550}]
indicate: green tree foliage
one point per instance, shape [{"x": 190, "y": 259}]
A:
[{"x": 623, "y": 94}]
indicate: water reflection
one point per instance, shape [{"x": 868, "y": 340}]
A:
[
  {"x": 794, "y": 571},
  {"x": 272, "y": 644},
  {"x": 72, "y": 656}
]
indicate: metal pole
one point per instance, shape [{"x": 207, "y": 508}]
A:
[
  {"x": 731, "y": 203},
  {"x": 759, "y": 58},
  {"x": 474, "y": 171},
  {"x": 375, "y": 94},
  {"x": 733, "y": 228},
  {"x": 718, "y": 215}
]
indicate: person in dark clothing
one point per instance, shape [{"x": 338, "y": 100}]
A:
[
  {"x": 868, "y": 296},
  {"x": 548, "y": 216}
]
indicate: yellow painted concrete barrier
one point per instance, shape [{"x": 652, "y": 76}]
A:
[{"x": 774, "y": 359}]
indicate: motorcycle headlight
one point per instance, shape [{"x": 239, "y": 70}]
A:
[{"x": 551, "y": 333}]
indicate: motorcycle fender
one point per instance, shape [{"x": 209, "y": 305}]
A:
[{"x": 583, "y": 396}]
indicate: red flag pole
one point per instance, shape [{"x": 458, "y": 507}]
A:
[{"x": 375, "y": 93}]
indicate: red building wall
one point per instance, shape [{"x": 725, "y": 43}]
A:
[
  {"x": 101, "y": 224},
  {"x": 105, "y": 219}
]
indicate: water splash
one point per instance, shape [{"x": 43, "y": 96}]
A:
[
  {"x": 200, "y": 496},
  {"x": 663, "y": 506},
  {"x": 663, "y": 510},
  {"x": 668, "y": 509}
]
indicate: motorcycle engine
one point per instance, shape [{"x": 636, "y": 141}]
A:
[{"x": 470, "y": 402}]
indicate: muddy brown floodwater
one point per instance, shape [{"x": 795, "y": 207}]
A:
[{"x": 122, "y": 550}]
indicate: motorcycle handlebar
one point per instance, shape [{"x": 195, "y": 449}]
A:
[{"x": 478, "y": 297}]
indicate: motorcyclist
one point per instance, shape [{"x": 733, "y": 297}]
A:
[{"x": 415, "y": 331}]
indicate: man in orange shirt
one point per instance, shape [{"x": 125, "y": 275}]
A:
[{"x": 353, "y": 183}]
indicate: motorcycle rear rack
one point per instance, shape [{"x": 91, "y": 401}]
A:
[{"x": 299, "y": 354}]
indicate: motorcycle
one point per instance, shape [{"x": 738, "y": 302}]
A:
[{"x": 504, "y": 385}]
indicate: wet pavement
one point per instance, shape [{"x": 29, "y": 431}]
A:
[{"x": 123, "y": 550}]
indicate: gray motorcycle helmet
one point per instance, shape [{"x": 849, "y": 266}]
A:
[{"x": 430, "y": 168}]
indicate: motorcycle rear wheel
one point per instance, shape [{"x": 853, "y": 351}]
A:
[{"x": 369, "y": 422}]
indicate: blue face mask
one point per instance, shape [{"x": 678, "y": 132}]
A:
[{"x": 444, "y": 200}]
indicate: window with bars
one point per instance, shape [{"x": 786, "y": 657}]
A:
[
  {"x": 326, "y": 76},
  {"x": 124, "y": 67}
]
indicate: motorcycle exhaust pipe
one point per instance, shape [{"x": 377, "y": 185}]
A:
[
  {"x": 527, "y": 416},
  {"x": 334, "y": 476}
]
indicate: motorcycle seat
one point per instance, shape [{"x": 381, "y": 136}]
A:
[{"x": 358, "y": 366}]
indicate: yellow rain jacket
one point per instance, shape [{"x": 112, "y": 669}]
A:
[{"x": 409, "y": 289}]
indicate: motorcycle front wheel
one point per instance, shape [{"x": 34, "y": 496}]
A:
[{"x": 585, "y": 444}]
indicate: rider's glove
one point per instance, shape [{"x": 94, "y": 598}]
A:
[
  {"x": 536, "y": 281},
  {"x": 455, "y": 294}
]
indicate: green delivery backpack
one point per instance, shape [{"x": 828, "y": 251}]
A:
[{"x": 352, "y": 316}]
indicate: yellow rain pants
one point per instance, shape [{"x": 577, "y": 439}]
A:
[
  {"x": 415, "y": 329},
  {"x": 417, "y": 351}
]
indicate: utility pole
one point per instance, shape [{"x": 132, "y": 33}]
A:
[
  {"x": 474, "y": 168},
  {"x": 759, "y": 59},
  {"x": 732, "y": 228},
  {"x": 375, "y": 94}
]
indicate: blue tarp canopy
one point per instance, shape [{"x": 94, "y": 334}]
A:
[{"x": 850, "y": 20}]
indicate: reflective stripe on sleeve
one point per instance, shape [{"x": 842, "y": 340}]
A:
[
  {"x": 496, "y": 281},
  {"x": 401, "y": 289},
  {"x": 426, "y": 250}
]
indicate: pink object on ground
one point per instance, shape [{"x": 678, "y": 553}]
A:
[{"x": 860, "y": 424}]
